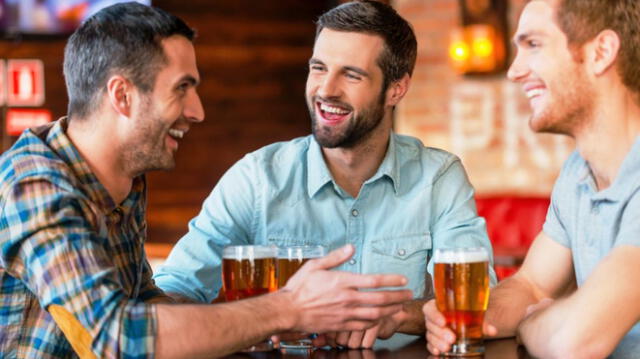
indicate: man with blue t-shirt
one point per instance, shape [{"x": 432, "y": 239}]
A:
[
  {"x": 353, "y": 181},
  {"x": 576, "y": 295}
]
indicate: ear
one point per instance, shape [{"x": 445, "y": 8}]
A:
[
  {"x": 604, "y": 50},
  {"x": 120, "y": 92},
  {"x": 397, "y": 90}
]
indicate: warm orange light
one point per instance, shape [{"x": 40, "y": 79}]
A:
[
  {"x": 459, "y": 51},
  {"x": 482, "y": 47},
  {"x": 475, "y": 49}
]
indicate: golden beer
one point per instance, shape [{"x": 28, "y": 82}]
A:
[
  {"x": 290, "y": 259},
  {"x": 247, "y": 278},
  {"x": 461, "y": 278},
  {"x": 286, "y": 268}
]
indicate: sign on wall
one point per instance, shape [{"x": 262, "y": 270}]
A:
[
  {"x": 19, "y": 119},
  {"x": 25, "y": 80}
]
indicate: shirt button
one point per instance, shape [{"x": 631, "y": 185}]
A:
[
  {"x": 355, "y": 213},
  {"x": 401, "y": 252},
  {"x": 595, "y": 209},
  {"x": 352, "y": 261}
]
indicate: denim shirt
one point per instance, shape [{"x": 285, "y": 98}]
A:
[
  {"x": 283, "y": 194},
  {"x": 592, "y": 223}
]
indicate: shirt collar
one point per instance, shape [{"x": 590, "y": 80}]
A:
[
  {"x": 319, "y": 174},
  {"x": 60, "y": 143},
  {"x": 625, "y": 180}
]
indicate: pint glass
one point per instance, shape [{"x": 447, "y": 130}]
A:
[
  {"x": 248, "y": 271},
  {"x": 461, "y": 279},
  {"x": 290, "y": 259}
]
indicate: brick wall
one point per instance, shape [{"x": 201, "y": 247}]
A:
[{"x": 481, "y": 119}]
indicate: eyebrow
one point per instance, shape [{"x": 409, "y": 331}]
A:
[{"x": 355, "y": 69}]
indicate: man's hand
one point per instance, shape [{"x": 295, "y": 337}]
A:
[
  {"x": 331, "y": 301},
  {"x": 363, "y": 339},
  {"x": 439, "y": 336}
]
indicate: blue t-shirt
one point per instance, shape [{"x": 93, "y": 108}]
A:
[
  {"x": 593, "y": 223},
  {"x": 283, "y": 194}
]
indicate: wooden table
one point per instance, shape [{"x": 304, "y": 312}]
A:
[{"x": 403, "y": 348}]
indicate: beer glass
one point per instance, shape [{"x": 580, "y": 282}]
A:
[
  {"x": 461, "y": 280},
  {"x": 249, "y": 271},
  {"x": 290, "y": 259}
]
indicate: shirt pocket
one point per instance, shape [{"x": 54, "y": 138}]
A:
[{"x": 404, "y": 254}]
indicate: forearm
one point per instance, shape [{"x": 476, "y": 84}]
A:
[
  {"x": 412, "y": 318},
  {"x": 508, "y": 304},
  {"x": 200, "y": 331}
]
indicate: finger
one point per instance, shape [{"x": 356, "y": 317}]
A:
[
  {"x": 442, "y": 344},
  {"x": 381, "y": 298},
  {"x": 342, "y": 338},
  {"x": 432, "y": 313},
  {"x": 432, "y": 349},
  {"x": 331, "y": 260},
  {"x": 370, "y": 337},
  {"x": 320, "y": 341},
  {"x": 355, "y": 324},
  {"x": 489, "y": 330},
  {"x": 355, "y": 339},
  {"x": 441, "y": 333},
  {"x": 275, "y": 339},
  {"x": 372, "y": 313},
  {"x": 355, "y": 280},
  {"x": 330, "y": 338}
]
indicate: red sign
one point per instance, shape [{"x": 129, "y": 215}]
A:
[
  {"x": 3, "y": 83},
  {"x": 19, "y": 119},
  {"x": 25, "y": 80}
]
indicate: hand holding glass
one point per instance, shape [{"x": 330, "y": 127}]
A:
[{"x": 461, "y": 278}]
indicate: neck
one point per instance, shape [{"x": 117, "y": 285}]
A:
[
  {"x": 351, "y": 167},
  {"x": 608, "y": 138},
  {"x": 93, "y": 138}
]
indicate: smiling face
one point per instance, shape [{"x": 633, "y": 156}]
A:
[
  {"x": 164, "y": 116},
  {"x": 556, "y": 83},
  {"x": 344, "y": 88}
]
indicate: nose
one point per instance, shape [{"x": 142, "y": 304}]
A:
[
  {"x": 329, "y": 86},
  {"x": 193, "y": 110},
  {"x": 518, "y": 69}
]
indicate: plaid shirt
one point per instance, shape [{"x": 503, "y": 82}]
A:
[{"x": 64, "y": 241}]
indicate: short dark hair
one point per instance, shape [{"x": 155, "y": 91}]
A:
[
  {"x": 123, "y": 38},
  {"x": 582, "y": 20},
  {"x": 372, "y": 17}
]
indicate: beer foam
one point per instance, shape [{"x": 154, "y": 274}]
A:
[
  {"x": 249, "y": 252},
  {"x": 461, "y": 255}
]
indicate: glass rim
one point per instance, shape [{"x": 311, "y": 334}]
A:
[
  {"x": 249, "y": 251},
  {"x": 461, "y": 255},
  {"x": 307, "y": 251}
]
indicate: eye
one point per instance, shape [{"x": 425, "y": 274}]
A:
[
  {"x": 532, "y": 43},
  {"x": 183, "y": 87},
  {"x": 316, "y": 68},
  {"x": 353, "y": 76}
]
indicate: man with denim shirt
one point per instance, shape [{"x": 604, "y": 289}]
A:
[
  {"x": 353, "y": 181},
  {"x": 576, "y": 295},
  {"x": 73, "y": 275}
]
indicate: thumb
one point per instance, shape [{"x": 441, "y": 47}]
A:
[
  {"x": 489, "y": 330},
  {"x": 333, "y": 259}
]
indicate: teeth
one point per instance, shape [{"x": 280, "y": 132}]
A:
[
  {"x": 534, "y": 93},
  {"x": 332, "y": 109},
  {"x": 176, "y": 133}
]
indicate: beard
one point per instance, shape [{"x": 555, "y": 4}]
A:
[
  {"x": 568, "y": 111},
  {"x": 146, "y": 149},
  {"x": 359, "y": 127}
]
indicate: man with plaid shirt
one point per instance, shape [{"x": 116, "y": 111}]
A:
[{"x": 74, "y": 280}]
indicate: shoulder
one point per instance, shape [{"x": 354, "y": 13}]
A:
[
  {"x": 431, "y": 162},
  {"x": 31, "y": 160},
  {"x": 280, "y": 154}
]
